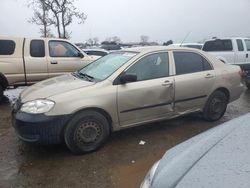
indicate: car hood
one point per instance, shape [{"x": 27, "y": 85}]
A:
[
  {"x": 53, "y": 86},
  {"x": 217, "y": 158}
]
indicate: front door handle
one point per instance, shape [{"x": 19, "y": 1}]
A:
[
  {"x": 246, "y": 55},
  {"x": 167, "y": 83},
  {"x": 53, "y": 62},
  {"x": 208, "y": 75}
]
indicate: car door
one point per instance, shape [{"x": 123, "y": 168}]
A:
[
  {"x": 151, "y": 96},
  {"x": 241, "y": 53},
  {"x": 64, "y": 58},
  {"x": 35, "y": 59},
  {"x": 194, "y": 80},
  {"x": 247, "y": 43}
]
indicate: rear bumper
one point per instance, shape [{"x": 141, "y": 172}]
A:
[
  {"x": 236, "y": 92},
  {"x": 39, "y": 128}
]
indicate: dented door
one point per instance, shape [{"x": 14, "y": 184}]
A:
[{"x": 151, "y": 96}]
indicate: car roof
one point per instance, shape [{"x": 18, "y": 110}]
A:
[
  {"x": 148, "y": 49},
  {"x": 191, "y": 43},
  {"x": 217, "y": 158},
  {"x": 226, "y": 38},
  {"x": 95, "y": 49}
]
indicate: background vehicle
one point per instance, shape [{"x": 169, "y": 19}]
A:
[
  {"x": 188, "y": 45},
  {"x": 96, "y": 53},
  {"x": 25, "y": 61},
  {"x": 218, "y": 157},
  {"x": 125, "y": 89},
  {"x": 110, "y": 46},
  {"x": 232, "y": 51}
]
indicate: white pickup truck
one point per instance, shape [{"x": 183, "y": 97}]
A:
[
  {"x": 234, "y": 50},
  {"x": 24, "y": 61}
]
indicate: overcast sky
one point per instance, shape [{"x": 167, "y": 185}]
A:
[{"x": 161, "y": 20}]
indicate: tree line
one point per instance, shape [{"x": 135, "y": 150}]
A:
[{"x": 60, "y": 14}]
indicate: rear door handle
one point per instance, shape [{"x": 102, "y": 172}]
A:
[
  {"x": 246, "y": 55},
  {"x": 167, "y": 83},
  {"x": 53, "y": 62},
  {"x": 208, "y": 75}
]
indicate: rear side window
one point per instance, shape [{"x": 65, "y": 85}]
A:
[
  {"x": 218, "y": 45},
  {"x": 7, "y": 47},
  {"x": 240, "y": 45},
  {"x": 247, "y": 41},
  {"x": 37, "y": 48},
  {"x": 189, "y": 62}
]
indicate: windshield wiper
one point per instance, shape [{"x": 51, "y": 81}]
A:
[{"x": 86, "y": 76}]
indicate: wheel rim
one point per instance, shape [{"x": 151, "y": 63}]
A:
[
  {"x": 217, "y": 106},
  {"x": 88, "y": 132}
]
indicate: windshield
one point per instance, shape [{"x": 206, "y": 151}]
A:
[{"x": 107, "y": 65}]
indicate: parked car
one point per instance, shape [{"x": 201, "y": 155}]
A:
[
  {"x": 24, "y": 61},
  {"x": 234, "y": 51},
  {"x": 218, "y": 157},
  {"x": 188, "y": 45},
  {"x": 110, "y": 46},
  {"x": 125, "y": 89},
  {"x": 95, "y": 54}
]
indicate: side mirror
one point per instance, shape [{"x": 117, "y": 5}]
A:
[
  {"x": 80, "y": 55},
  {"x": 128, "y": 78}
]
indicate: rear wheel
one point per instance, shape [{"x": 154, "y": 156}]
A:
[
  {"x": 248, "y": 83},
  {"x": 216, "y": 106},
  {"x": 86, "y": 132}
]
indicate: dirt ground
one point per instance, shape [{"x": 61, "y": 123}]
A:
[{"x": 122, "y": 162}]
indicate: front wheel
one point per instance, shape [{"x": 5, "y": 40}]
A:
[
  {"x": 216, "y": 106},
  {"x": 86, "y": 132}
]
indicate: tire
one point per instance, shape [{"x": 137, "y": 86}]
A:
[
  {"x": 86, "y": 132},
  {"x": 247, "y": 84},
  {"x": 215, "y": 106}
]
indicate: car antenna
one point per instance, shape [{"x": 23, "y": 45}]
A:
[{"x": 185, "y": 37}]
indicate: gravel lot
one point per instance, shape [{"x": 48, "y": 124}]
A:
[{"x": 122, "y": 162}]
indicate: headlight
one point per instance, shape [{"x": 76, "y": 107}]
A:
[
  {"x": 37, "y": 106},
  {"x": 149, "y": 177}
]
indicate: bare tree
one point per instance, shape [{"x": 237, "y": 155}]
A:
[
  {"x": 41, "y": 17},
  {"x": 63, "y": 13},
  {"x": 116, "y": 39},
  {"x": 46, "y": 33},
  {"x": 90, "y": 42},
  {"x": 108, "y": 39},
  {"x": 96, "y": 40},
  {"x": 169, "y": 42},
  {"x": 144, "y": 39},
  {"x": 59, "y": 13},
  {"x": 113, "y": 39}
]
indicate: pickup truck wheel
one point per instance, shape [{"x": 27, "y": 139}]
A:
[
  {"x": 216, "y": 106},
  {"x": 86, "y": 132}
]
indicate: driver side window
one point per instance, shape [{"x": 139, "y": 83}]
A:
[
  {"x": 151, "y": 67},
  {"x": 62, "y": 49}
]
